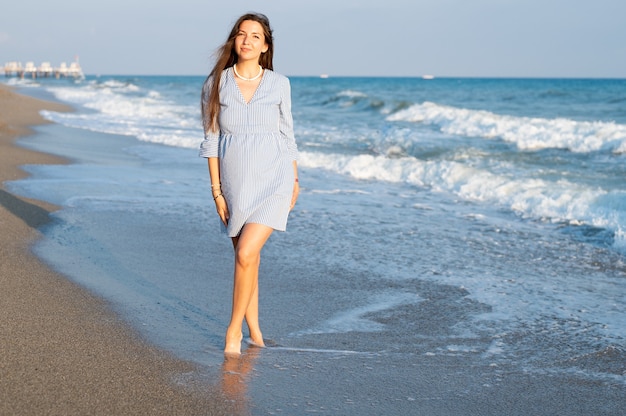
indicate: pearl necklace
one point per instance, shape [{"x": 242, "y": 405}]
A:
[{"x": 248, "y": 79}]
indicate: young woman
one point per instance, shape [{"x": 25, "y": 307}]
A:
[{"x": 252, "y": 153}]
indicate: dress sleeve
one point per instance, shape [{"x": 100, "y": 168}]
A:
[
  {"x": 210, "y": 144},
  {"x": 286, "y": 119}
]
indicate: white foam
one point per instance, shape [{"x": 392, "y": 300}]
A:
[
  {"x": 353, "y": 320},
  {"x": 527, "y": 133},
  {"x": 22, "y": 82},
  {"x": 352, "y": 94},
  {"x": 557, "y": 201},
  {"x": 126, "y": 109}
]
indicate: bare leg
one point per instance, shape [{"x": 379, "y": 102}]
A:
[
  {"x": 252, "y": 313},
  {"x": 252, "y": 318},
  {"x": 245, "y": 289}
]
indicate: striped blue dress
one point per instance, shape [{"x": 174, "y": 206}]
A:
[{"x": 256, "y": 148}]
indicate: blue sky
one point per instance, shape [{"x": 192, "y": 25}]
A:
[{"x": 503, "y": 38}]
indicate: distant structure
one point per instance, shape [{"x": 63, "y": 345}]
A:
[{"x": 45, "y": 70}]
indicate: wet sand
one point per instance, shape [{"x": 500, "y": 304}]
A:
[{"x": 63, "y": 350}]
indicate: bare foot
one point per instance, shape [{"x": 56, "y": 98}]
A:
[
  {"x": 257, "y": 338},
  {"x": 233, "y": 344}
]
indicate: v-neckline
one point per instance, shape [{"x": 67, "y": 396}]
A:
[{"x": 232, "y": 74}]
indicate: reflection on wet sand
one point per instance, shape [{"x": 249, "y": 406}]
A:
[{"x": 235, "y": 376}]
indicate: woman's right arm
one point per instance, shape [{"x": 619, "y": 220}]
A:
[{"x": 216, "y": 189}]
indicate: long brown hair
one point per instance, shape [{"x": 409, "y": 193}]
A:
[{"x": 226, "y": 57}]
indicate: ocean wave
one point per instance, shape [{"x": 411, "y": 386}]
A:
[
  {"x": 352, "y": 94},
  {"x": 558, "y": 201},
  {"x": 126, "y": 109},
  {"x": 527, "y": 133},
  {"x": 116, "y": 85},
  {"x": 22, "y": 82},
  {"x": 360, "y": 101}
]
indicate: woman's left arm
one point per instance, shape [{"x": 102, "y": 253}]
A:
[
  {"x": 286, "y": 129},
  {"x": 286, "y": 119}
]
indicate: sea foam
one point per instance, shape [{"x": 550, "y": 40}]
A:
[
  {"x": 539, "y": 199},
  {"x": 527, "y": 133},
  {"x": 127, "y": 109}
]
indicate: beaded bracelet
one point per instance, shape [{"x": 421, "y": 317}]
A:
[{"x": 217, "y": 185}]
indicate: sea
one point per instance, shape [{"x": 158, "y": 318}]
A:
[{"x": 454, "y": 239}]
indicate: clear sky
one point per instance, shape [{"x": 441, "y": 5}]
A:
[{"x": 474, "y": 38}]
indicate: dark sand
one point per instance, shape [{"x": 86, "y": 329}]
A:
[{"x": 62, "y": 349}]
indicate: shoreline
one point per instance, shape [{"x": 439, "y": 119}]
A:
[{"x": 64, "y": 350}]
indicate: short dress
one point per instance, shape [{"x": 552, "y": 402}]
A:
[{"x": 256, "y": 148}]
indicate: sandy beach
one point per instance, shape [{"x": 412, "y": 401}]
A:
[{"x": 63, "y": 351}]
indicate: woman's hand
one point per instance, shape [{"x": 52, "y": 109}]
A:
[
  {"x": 296, "y": 186},
  {"x": 216, "y": 189},
  {"x": 222, "y": 208},
  {"x": 294, "y": 195}
]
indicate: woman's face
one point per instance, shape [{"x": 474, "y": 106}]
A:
[{"x": 250, "y": 41}]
